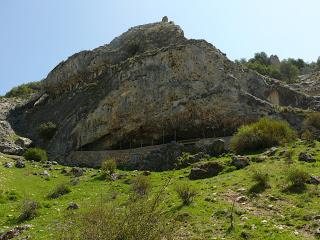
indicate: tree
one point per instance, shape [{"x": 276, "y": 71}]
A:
[
  {"x": 299, "y": 63},
  {"x": 261, "y": 58},
  {"x": 289, "y": 72}
]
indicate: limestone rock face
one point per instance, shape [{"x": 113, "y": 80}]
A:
[
  {"x": 309, "y": 84},
  {"x": 150, "y": 86},
  {"x": 10, "y": 142}
]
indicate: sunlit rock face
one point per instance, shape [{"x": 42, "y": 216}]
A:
[{"x": 149, "y": 86}]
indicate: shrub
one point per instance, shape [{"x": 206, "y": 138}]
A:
[
  {"x": 262, "y": 134},
  {"x": 59, "y": 191},
  {"x": 186, "y": 193},
  {"x": 297, "y": 178},
  {"x": 29, "y": 210},
  {"x": 36, "y": 154},
  {"x": 24, "y": 90},
  {"x": 47, "y": 130},
  {"x": 311, "y": 126},
  {"x": 142, "y": 219},
  {"x": 108, "y": 167},
  {"x": 261, "y": 180},
  {"x": 141, "y": 185}
]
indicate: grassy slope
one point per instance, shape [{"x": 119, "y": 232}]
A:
[{"x": 206, "y": 218}]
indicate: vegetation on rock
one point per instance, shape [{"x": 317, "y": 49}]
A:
[
  {"x": 287, "y": 70},
  {"x": 24, "y": 90}
]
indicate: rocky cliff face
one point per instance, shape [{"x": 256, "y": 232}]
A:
[
  {"x": 150, "y": 85},
  {"x": 10, "y": 142},
  {"x": 309, "y": 84}
]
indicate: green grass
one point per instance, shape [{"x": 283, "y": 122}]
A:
[{"x": 207, "y": 217}]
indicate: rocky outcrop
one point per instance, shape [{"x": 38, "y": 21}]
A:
[
  {"x": 150, "y": 86},
  {"x": 308, "y": 84},
  {"x": 10, "y": 142},
  {"x": 205, "y": 170}
]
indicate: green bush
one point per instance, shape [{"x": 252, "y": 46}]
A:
[
  {"x": 24, "y": 90},
  {"x": 262, "y": 134},
  {"x": 141, "y": 185},
  {"x": 261, "y": 180},
  {"x": 141, "y": 219},
  {"x": 186, "y": 193},
  {"x": 29, "y": 210},
  {"x": 297, "y": 177},
  {"x": 36, "y": 154},
  {"x": 47, "y": 130},
  {"x": 108, "y": 167},
  {"x": 59, "y": 191}
]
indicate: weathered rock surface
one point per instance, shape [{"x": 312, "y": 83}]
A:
[
  {"x": 240, "y": 161},
  {"x": 149, "y": 86},
  {"x": 309, "y": 84},
  {"x": 304, "y": 157},
  {"x": 10, "y": 142},
  {"x": 205, "y": 170}
]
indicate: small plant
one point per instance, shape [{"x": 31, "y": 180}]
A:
[
  {"x": 29, "y": 211},
  {"x": 59, "y": 191},
  {"x": 186, "y": 193},
  {"x": 261, "y": 180},
  {"x": 297, "y": 179},
  {"x": 141, "y": 185},
  {"x": 36, "y": 154},
  {"x": 47, "y": 130},
  {"x": 262, "y": 134},
  {"x": 108, "y": 167}
]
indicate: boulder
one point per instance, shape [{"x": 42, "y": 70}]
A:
[
  {"x": 161, "y": 159},
  {"x": 205, "y": 170},
  {"x": 14, "y": 233},
  {"x": 212, "y": 147},
  {"x": 73, "y": 206},
  {"x": 240, "y": 161},
  {"x": 315, "y": 180},
  {"x": 304, "y": 157},
  {"x": 76, "y": 171},
  {"x": 20, "y": 164},
  {"x": 8, "y": 164},
  {"x": 260, "y": 158},
  {"x": 23, "y": 142}
]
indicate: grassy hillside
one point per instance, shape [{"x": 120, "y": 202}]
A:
[{"x": 275, "y": 213}]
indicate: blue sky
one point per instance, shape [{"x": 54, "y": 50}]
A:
[{"x": 35, "y": 35}]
